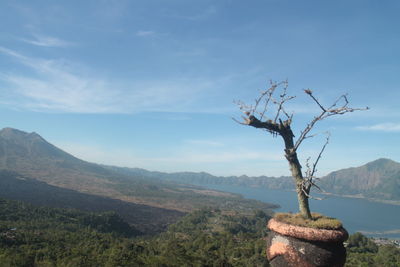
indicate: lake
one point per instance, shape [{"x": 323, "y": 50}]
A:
[{"x": 358, "y": 215}]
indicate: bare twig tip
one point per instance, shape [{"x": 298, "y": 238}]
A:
[{"x": 308, "y": 91}]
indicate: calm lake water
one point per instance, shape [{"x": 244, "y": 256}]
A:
[{"x": 357, "y": 215}]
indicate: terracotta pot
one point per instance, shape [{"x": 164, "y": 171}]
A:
[{"x": 289, "y": 245}]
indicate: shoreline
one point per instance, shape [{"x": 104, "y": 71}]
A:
[{"x": 391, "y": 202}]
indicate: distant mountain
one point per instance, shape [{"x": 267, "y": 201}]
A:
[
  {"x": 145, "y": 218},
  {"x": 203, "y": 178},
  {"x": 379, "y": 179},
  {"x": 29, "y": 154},
  {"x": 33, "y": 158}
]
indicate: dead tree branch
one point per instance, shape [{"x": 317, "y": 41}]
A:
[
  {"x": 333, "y": 110},
  {"x": 308, "y": 181},
  {"x": 279, "y": 123}
]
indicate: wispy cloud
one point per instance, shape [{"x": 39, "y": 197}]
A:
[
  {"x": 59, "y": 85},
  {"x": 211, "y": 143},
  {"x": 178, "y": 117},
  {"x": 145, "y": 33},
  {"x": 381, "y": 127},
  {"x": 46, "y": 41},
  {"x": 204, "y": 14}
]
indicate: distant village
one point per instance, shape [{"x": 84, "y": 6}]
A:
[{"x": 385, "y": 241}]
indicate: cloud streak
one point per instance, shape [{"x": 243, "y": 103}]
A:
[
  {"x": 381, "y": 127},
  {"x": 210, "y": 143},
  {"x": 47, "y": 41},
  {"x": 202, "y": 15},
  {"x": 62, "y": 86},
  {"x": 145, "y": 33}
]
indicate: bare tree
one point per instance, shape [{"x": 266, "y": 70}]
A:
[{"x": 269, "y": 113}]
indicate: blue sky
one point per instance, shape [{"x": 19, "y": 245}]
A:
[{"x": 151, "y": 84}]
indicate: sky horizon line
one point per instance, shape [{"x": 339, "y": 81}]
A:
[{"x": 181, "y": 171}]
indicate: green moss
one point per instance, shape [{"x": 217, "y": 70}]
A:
[{"x": 318, "y": 220}]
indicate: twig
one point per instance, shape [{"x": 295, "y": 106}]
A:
[
  {"x": 312, "y": 197},
  {"x": 326, "y": 112},
  {"x": 314, "y": 169}
]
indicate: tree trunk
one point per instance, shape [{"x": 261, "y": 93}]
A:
[
  {"x": 295, "y": 168},
  {"x": 302, "y": 198}
]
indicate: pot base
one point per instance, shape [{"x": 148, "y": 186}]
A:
[{"x": 286, "y": 248}]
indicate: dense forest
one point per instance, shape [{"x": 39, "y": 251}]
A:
[
  {"x": 43, "y": 236},
  {"x": 362, "y": 251},
  {"x": 39, "y": 236}
]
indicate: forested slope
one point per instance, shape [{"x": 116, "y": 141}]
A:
[{"x": 39, "y": 236}]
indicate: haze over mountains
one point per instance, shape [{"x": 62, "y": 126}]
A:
[
  {"x": 379, "y": 180},
  {"x": 33, "y": 170},
  {"x": 29, "y": 154},
  {"x": 43, "y": 165}
]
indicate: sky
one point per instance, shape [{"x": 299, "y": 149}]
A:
[{"x": 152, "y": 84}]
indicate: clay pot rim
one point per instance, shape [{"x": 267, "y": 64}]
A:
[{"x": 308, "y": 233}]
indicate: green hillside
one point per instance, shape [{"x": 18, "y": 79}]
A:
[
  {"x": 38, "y": 236},
  {"x": 42, "y": 236},
  {"x": 147, "y": 219}
]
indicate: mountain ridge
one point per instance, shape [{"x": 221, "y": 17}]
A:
[
  {"x": 377, "y": 180},
  {"x": 29, "y": 155},
  {"x": 14, "y": 186}
]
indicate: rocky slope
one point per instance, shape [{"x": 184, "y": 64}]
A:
[
  {"x": 31, "y": 156},
  {"x": 378, "y": 179}
]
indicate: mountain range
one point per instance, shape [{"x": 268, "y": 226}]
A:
[
  {"x": 35, "y": 171},
  {"x": 377, "y": 180}
]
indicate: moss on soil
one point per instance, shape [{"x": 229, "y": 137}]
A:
[{"x": 318, "y": 220}]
